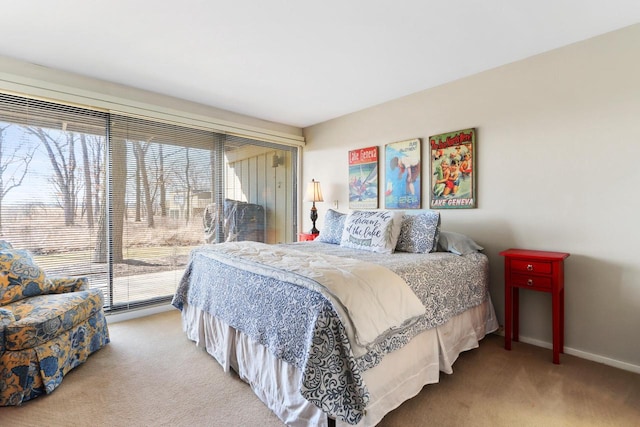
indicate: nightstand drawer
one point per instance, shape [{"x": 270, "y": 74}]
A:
[
  {"x": 540, "y": 267},
  {"x": 536, "y": 282}
]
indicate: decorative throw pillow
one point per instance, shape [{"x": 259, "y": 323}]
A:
[
  {"x": 20, "y": 277},
  {"x": 457, "y": 243},
  {"x": 419, "y": 233},
  {"x": 375, "y": 231},
  {"x": 332, "y": 228}
]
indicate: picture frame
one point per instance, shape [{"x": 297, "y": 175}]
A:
[
  {"x": 403, "y": 176},
  {"x": 453, "y": 170},
  {"x": 363, "y": 178}
]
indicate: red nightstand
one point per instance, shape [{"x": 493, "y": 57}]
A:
[
  {"x": 304, "y": 237},
  {"x": 540, "y": 271}
]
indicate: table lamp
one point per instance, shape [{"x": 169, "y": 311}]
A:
[{"x": 314, "y": 194}]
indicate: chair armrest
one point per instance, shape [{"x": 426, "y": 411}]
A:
[
  {"x": 6, "y": 318},
  {"x": 62, "y": 285}
]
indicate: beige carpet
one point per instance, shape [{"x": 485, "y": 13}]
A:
[{"x": 151, "y": 375}]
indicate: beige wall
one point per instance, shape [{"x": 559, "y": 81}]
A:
[{"x": 557, "y": 169}]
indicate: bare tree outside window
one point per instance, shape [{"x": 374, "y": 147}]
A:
[
  {"x": 60, "y": 149},
  {"x": 15, "y": 158}
]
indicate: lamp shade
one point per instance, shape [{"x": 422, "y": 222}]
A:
[{"x": 314, "y": 193}]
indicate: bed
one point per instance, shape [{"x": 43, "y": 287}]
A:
[{"x": 345, "y": 328}]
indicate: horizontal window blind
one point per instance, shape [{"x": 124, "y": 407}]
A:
[
  {"x": 166, "y": 178},
  {"x": 122, "y": 200},
  {"x": 161, "y": 177},
  {"x": 52, "y": 184}
]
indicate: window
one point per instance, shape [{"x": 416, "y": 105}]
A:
[{"x": 123, "y": 199}]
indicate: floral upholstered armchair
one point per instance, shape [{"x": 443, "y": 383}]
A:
[{"x": 48, "y": 326}]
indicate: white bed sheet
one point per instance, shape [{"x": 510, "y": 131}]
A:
[{"x": 399, "y": 376}]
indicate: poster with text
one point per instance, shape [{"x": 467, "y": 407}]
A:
[
  {"x": 402, "y": 175},
  {"x": 363, "y": 178},
  {"x": 453, "y": 170}
]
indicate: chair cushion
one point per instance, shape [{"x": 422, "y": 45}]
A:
[
  {"x": 20, "y": 277},
  {"x": 43, "y": 317}
]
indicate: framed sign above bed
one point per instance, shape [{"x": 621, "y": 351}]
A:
[
  {"x": 453, "y": 170},
  {"x": 363, "y": 178},
  {"x": 402, "y": 175}
]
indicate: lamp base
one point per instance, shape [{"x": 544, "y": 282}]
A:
[{"x": 314, "y": 217}]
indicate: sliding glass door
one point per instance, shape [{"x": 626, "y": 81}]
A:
[{"x": 123, "y": 199}]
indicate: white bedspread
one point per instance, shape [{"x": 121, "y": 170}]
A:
[{"x": 376, "y": 299}]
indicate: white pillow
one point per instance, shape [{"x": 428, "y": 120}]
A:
[{"x": 374, "y": 231}]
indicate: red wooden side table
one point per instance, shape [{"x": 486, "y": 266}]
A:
[
  {"x": 540, "y": 271},
  {"x": 303, "y": 237}
]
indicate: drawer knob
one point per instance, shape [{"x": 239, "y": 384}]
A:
[
  {"x": 530, "y": 282},
  {"x": 530, "y": 267}
]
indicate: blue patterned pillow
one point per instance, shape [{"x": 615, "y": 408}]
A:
[
  {"x": 419, "y": 233},
  {"x": 332, "y": 228}
]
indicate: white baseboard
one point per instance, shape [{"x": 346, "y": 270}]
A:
[
  {"x": 134, "y": 314},
  {"x": 584, "y": 355}
]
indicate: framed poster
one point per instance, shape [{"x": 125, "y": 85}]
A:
[
  {"x": 363, "y": 178},
  {"x": 453, "y": 170},
  {"x": 402, "y": 175}
]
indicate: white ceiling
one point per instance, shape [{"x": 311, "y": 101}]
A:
[{"x": 297, "y": 62}]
